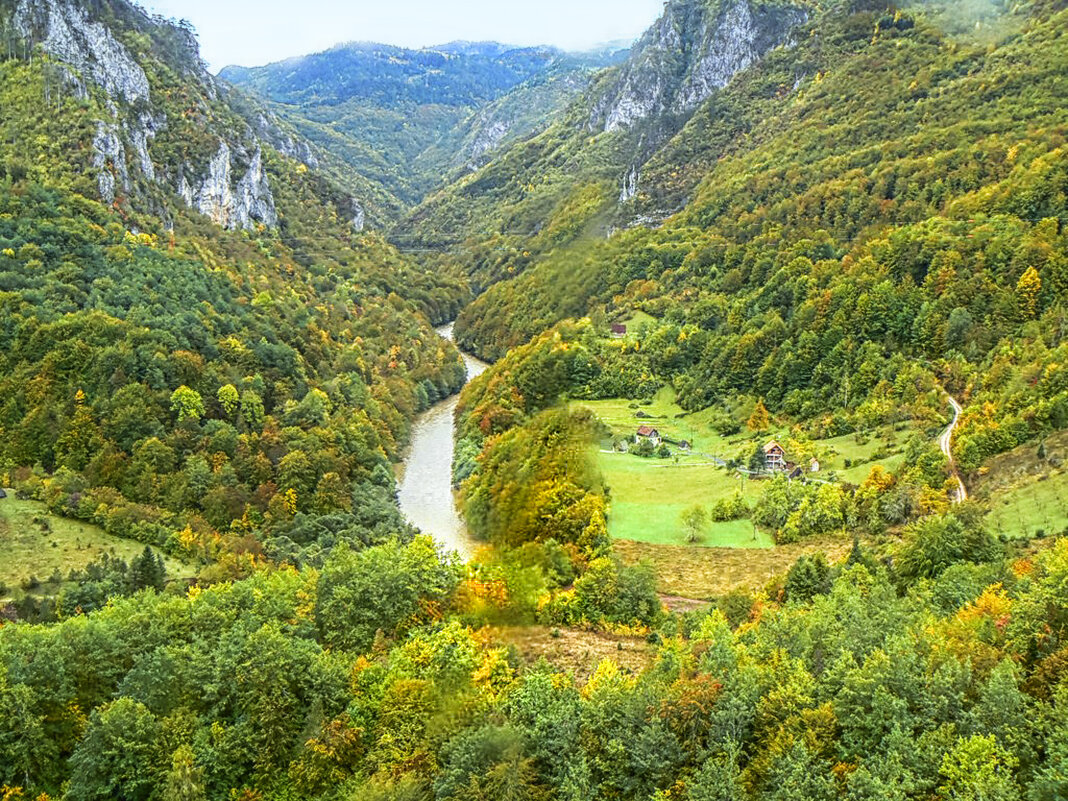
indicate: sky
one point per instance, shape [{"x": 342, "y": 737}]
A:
[{"x": 255, "y": 32}]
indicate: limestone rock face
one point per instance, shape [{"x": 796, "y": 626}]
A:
[
  {"x": 488, "y": 139},
  {"x": 693, "y": 50},
  {"x": 253, "y": 201},
  {"x": 241, "y": 206},
  {"x": 359, "y": 216},
  {"x": 109, "y": 160},
  {"x": 67, "y": 33},
  {"x": 215, "y": 197},
  {"x": 231, "y": 185}
]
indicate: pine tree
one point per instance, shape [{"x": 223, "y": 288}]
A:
[{"x": 147, "y": 570}]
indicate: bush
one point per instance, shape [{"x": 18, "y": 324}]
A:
[
  {"x": 644, "y": 449},
  {"x": 733, "y": 508},
  {"x": 935, "y": 543},
  {"x": 610, "y": 592},
  {"x": 30, "y": 583}
]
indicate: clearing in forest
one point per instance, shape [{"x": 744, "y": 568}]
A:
[{"x": 36, "y": 544}]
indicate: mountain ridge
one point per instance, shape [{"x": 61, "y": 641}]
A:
[{"x": 412, "y": 118}]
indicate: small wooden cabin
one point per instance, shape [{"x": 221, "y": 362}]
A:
[{"x": 775, "y": 456}]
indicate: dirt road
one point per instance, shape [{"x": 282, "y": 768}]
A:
[{"x": 946, "y": 443}]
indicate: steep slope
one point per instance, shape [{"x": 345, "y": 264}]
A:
[
  {"x": 172, "y": 129},
  {"x": 198, "y": 349},
  {"x": 409, "y": 117}
]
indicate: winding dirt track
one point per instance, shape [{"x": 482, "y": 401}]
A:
[{"x": 946, "y": 443}]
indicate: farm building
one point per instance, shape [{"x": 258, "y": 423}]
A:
[{"x": 649, "y": 433}]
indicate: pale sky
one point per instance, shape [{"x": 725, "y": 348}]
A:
[{"x": 254, "y": 32}]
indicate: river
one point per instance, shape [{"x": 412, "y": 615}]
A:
[{"x": 425, "y": 494}]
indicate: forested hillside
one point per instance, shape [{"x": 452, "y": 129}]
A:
[
  {"x": 880, "y": 193},
  {"x": 228, "y": 396}
]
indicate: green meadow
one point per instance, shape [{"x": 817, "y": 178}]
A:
[{"x": 35, "y": 543}]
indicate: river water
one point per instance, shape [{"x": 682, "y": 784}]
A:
[{"x": 425, "y": 494}]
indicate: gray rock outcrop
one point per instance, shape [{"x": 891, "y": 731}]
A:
[
  {"x": 693, "y": 50},
  {"x": 66, "y": 32}
]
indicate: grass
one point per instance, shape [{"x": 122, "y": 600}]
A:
[
  {"x": 1040, "y": 507},
  {"x": 30, "y": 550},
  {"x": 1026, "y": 494},
  {"x": 648, "y": 497},
  {"x": 578, "y": 652},
  {"x": 664, "y": 414},
  {"x": 886, "y": 443},
  {"x": 707, "y": 573},
  {"x": 638, "y": 319}
]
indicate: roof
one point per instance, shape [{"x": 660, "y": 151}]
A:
[
  {"x": 619, "y": 329},
  {"x": 773, "y": 445},
  {"x": 647, "y": 431}
]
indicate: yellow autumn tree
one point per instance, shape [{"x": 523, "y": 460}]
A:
[
  {"x": 1027, "y": 290},
  {"x": 759, "y": 420}
]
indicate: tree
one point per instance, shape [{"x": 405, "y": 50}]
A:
[
  {"x": 187, "y": 404},
  {"x": 1028, "y": 289},
  {"x": 810, "y": 576},
  {"x": 147, "y": 570},
  {"x": 252, "y": 411},
  {"x": 381, "y": 588},
  {"x": 228, "y": 399},
  {"x": 718, "y": 779},
  {"x": 759, "y": 420},
  {"x": 694, "y": 522},
  {"x": 935, "y": 543},
  {"x": 978, "y": 769},
  {"x": 185, "y": 780},
  {"x": 118, "y": 758}
]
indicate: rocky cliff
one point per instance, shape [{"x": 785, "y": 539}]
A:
[
  {"x": 695, "y": 48},
  {"x": 208, "y": 154}
]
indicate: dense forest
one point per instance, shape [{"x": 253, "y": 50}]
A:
[{"x": 204, "y": 353}]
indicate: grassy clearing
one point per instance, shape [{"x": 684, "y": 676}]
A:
[
  {"x": 1038, "y": 508},
  {"x": 30, "y": 550},
  {"x": 711, "y": 572},
  {"x": 624, "y": 416},
  {"x": 1026, "y": 494},
  {"x": 578, "y": 652},
  {"x": 883, "y": 447},
  {"x": 637, "y": 320},
  {"x": 649, "y": 495}
]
